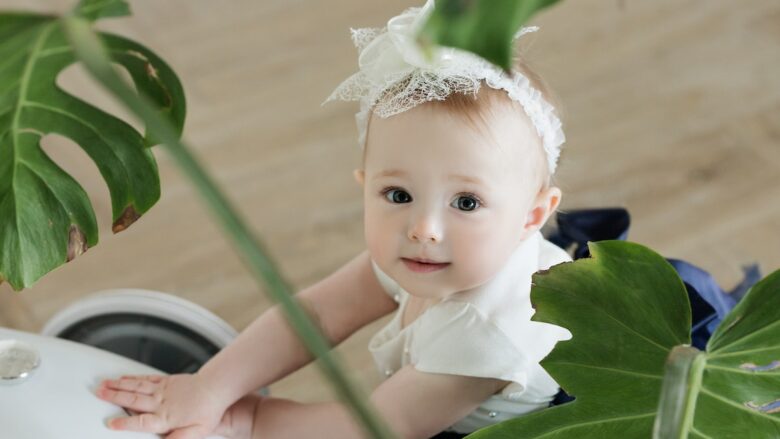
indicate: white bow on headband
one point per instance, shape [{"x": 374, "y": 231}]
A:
[{"x": 391, "y": 60}]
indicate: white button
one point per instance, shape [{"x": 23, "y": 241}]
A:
[
  {"x": 397, "y": 297},
  {"x": 388, "y": 372},
  {"x": 492, "y": 414},
  {"x": 406, "y": 351}
]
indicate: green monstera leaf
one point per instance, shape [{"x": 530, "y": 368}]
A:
[
  {"x": 627, "y": 310},
  {"x": 485, "y": 27},
  {"x": 46, "y": 218},
  {"x": 733, "y": 389}
]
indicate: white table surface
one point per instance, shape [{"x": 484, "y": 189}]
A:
[{"x": 57, "y": 401}]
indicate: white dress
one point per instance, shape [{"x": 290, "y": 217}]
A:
[{"x": 483, "y": 332}]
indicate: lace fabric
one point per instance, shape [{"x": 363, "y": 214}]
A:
[{"x": 395, "y": 75}]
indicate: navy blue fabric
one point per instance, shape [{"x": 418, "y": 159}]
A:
[
  {"x": 580, "y": 226},
  {"x": 709, "y": 302}
]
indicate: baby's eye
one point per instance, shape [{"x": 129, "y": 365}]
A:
[
  {"x": 466, "y": 203},
  {"x": 398, "y": 196}
]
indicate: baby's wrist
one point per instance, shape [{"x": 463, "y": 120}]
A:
[{"x": 219, "y": 391}]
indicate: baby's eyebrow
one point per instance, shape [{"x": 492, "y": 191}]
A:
[
  {"x": 467, "y": 179},
  {"x": 391, "y": 173},
  {"x": 400, "y": 173}
]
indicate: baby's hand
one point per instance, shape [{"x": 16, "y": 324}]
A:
[{"x": 180, "y": 404}]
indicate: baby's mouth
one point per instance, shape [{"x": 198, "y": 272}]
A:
[{"x": 424, "y": 265}]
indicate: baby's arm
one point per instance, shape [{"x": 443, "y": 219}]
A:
[
  {"x": 414, "y": 404},
  {"x": 269, "y": 349},
  {"x": 266, "y": 351}
]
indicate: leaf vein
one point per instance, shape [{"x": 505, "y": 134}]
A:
[
  {"x": 738, "y": 405},
  {"x": 28, "y": 68},
  {"x": 743, "y": 371},
  {"x": 699, "y": 433},
  {"x": 55, "y": 51},
  {"x": 748, "y": 351},
  {"x": 629, "y": 372},
  {"x": 753, "y": 333},
  {"x": 598, "y": 421}
]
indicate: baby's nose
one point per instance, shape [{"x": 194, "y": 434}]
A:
[{"x": 425, "y": 229}]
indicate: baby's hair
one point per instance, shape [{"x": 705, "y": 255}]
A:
[{"x": 475, "y": 108}]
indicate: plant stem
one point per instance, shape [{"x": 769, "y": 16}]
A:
[
  {"x": 91, "y": 52},
  {"x": 679, "y": 392}
]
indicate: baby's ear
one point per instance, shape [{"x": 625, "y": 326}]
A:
[
  {"x": 360, "y": 176},
  {"x": 544, "y": 205}
]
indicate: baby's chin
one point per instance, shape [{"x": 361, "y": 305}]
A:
[
  {"x": 428, "y": 289},
  {"x": 424, "y": 288}
]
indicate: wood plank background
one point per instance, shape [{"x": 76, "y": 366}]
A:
[{"x": 672, "y": 110}]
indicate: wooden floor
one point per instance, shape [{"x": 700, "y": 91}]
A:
[{"x": 672, "y": 110}]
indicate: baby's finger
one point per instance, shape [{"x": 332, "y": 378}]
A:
[
  {"x": 132, "y": 384},
  {"x": 131, "y": 400},
  {"x": 152, "y": 378},
  {"x": 148, "y": 422}
]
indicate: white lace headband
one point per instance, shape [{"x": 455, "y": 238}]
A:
[{"x": 391, "y": 60}]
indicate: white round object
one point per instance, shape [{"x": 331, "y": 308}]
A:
[
  {"x": 17, "y": 361},
  {"x": 144, "y": 302},
  {"x": 58, "y": 400}
]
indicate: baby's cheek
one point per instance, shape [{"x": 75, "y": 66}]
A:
[
  {"x": 480, "y": 254},
  {"x": 376, "y": 250},
  {"x": 377, "y": 238},
  {"x": 476, "y": 268}
]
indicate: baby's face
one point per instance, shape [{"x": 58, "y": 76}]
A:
[{"x": 439, "y": 190}]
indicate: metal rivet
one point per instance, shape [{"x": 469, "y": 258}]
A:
[{"x": 492, "y": 414}]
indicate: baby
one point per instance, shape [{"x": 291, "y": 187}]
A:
[{"x": 457, "y": 167}]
